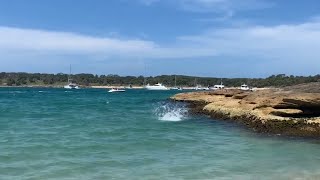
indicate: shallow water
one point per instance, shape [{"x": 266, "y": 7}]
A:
[{"x": 92, "y": 134}]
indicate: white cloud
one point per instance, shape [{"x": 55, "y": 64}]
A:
[
  {"x": 298, "y": 42},
  {"x": 65, "y": 42},
  {"x": 31, "y": 41},
  {"x": 295, "y": 42}
]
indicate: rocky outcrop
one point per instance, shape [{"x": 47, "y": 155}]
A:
[{"x": 272, "y": 110}]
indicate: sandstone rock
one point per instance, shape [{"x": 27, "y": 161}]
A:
[{"x": 272, "y": 107}]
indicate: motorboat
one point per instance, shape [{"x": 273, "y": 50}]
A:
[
  {"x": 71, "y": 86},
  {"x": 157, "y": 86},
  {"x": 218, "y": 86},
  {"x": 113, "y": 90},
  {"x": 244, "y": 87}
]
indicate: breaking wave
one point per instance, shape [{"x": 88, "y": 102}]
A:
[{"x": 167, "y": 111}]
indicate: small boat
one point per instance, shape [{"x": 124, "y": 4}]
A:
[
  {"x": 113, "y": 90},
  {"x": 244, "y": 87},
  {"x": 175, "y": 84},
  {"x": 180, "y": 89},
  {"x": 70, "y": 84},
  {"x": 157, "y": 86},
  {"x": 218, "y": 87},
  {"x": 129, "y": 87}
]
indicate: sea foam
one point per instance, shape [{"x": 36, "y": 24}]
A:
[{"x": 167, "y": 111}]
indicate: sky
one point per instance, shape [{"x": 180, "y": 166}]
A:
[{"x": 214, "y": 38}]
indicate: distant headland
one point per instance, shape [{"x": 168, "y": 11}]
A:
[{"x": 111, "y": 80}]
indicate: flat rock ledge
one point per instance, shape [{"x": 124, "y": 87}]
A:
[{"x": 273, "y": 111}]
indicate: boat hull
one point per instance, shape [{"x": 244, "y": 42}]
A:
[
  {"x": 157, "y": 88},
  {"x": 71, "y": 87},
  {"x": 116, "y": 91}
]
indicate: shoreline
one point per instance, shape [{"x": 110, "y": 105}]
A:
[
  {"x": 120, "y": 87},
  {"x": 266, "y": 111}
]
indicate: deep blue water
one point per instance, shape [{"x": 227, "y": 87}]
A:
[{"x": 92, "y": 134}]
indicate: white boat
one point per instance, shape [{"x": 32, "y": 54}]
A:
[
  {"x": 175, "y": 84},
  {"x": 157, "y": 86},
  {"x": 201, "y": 88},
  {"x": 113, "y": 90},
  {"x": 196, "y": 86},
  {"x": 180, "y": 89},
  {"x": 129, "y": 87},
  {"x": 174, "y": 88},
  {"x": 70, "y": 84},
  {"x": 244, "y": 87},
  {"x": 218, "y": 86}
]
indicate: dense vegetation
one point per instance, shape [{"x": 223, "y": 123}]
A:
[{"x": 20, "y": 79}]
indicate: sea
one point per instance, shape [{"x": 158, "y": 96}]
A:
[{"x": 48, "y": 133}]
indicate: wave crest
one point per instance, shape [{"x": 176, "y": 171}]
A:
[{"x": 167, "y": 111}]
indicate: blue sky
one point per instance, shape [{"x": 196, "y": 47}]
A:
[{"x": 220, "y": 38}]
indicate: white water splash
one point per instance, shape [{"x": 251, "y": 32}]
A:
[{"x": 171, "y": 112}]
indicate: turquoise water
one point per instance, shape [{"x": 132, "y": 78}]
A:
[{"x": 92, "y": 134}]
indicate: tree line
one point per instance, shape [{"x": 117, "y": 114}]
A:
[{"x": 22, "y": 79}]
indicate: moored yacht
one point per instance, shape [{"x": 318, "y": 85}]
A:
[
  {"x": 218, "y": 86},
  {"x": 116, "y": 90},
  {"x": 175, "y": 84},
  {"x": 244, "y": 87},
  {"x": 174, "y": 88},
  {"x": 157, "y": 86},
  {"x": 71, "y": 84}
]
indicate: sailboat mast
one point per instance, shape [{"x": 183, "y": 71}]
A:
[
  {"x": 175, "y": 81},
  {"x": 145, "y": 73},
  {"x": 69, "y": 76}
]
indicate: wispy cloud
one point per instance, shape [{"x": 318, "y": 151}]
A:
[
  {"x": 294, "y": 42},
  {"x": 66, "y": 42},
  {"x": 223, "y": 5},
  {"x": 222, "y": 8},
  {"x": 148, "y": 2},
  {"x": 51, "y": 42}
]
